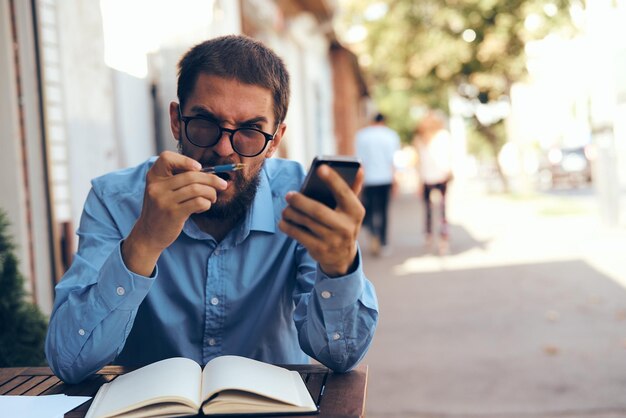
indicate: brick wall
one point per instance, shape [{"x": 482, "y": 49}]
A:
[{"x": 350, "y": 98}]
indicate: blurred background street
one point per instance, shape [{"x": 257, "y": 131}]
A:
[{"x": 525, "y": 316}]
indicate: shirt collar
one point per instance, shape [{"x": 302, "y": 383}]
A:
[{"x": 261, "y": 216}]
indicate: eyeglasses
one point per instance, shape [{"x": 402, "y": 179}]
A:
[{"x": 204, "y": 133}]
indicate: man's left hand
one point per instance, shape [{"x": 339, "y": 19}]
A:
[{"x": 330, "y": 235}]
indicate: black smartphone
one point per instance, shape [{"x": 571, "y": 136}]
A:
[{"x": 315, "y": 188}]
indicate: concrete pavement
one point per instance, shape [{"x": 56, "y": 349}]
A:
[{"x": 525, "y": 317}]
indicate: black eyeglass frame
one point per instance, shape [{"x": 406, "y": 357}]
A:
[{"x": 231, "y": 132}]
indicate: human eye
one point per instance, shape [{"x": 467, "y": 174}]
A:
[
  {"x": 203, "y": 121},
  {"x": 256, "y": 126},
  {"x": 206, "y": 118},
  {"x": 202, "y": 127},
  {"x": 250, "y": 133}
]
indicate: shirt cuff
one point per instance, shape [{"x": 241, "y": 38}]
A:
[
  {"x": 340, "y": 292},
  {"x": 119, "y": 287}
]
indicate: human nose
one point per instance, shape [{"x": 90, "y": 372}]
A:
[{"x": 224, "y": 146}]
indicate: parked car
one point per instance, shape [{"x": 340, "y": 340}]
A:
[{"x": 568, "y": 167}]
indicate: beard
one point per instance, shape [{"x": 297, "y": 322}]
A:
[
  {"x": 240, "y": 203},
  {"x": 237, "y": 207}
]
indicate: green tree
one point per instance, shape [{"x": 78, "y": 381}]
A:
[
  {"x": 22, "y": 325},
  {"x": 419, "y": 53}
]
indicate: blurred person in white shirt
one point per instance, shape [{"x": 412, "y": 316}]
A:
[
  {"x": 434, "y": 147},
  {"x": 376, "y": 146}
]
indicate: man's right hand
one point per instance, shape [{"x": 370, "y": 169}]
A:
[{"x": 175, "y": 189}]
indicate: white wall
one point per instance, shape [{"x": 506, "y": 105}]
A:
[
  {"x": 89, "y": 98},
  {"x": 134, "y": 121},
  {"x": 316, "y": 89}
]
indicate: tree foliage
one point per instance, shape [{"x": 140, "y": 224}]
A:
[
  {"x": 22, "y": 325},
  {"x": 418, "y": 53}
]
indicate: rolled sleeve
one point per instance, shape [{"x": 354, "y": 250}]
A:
[
  {"x": 340, "y": 319},
  {"x": 339, "y": 292}
]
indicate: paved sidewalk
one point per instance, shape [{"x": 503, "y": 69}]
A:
[{"x": 525, "y": 317}]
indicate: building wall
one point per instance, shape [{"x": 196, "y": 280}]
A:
[
  {"x": 303, "y": 44},
  {"x": 350, "y": 100},
  {"x": 224, "y": 19},
  {"x": 310, "y": 117},
  {"x": 23, "y": 176},
  {"x": 12, "y": 181},
  {"x": 133, "y": 115},
  {"x": 89, "y": 99},
  {"x": 96, "y": 119}
]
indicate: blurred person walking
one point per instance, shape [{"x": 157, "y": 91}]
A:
[
  {"x": 376, "y": 145},
  {"x": 434, "y": 148}
]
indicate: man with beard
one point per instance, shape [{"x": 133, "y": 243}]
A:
[{"x": 174, "y": 261}]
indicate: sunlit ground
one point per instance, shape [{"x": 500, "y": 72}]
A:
[
  {"x": 505, "y": 230},
  {"x": 524, "y": 317}
]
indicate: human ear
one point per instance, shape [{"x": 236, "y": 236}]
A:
[
  {"x": 175, "y": 120},
  {"x": 276, "y": 141}
]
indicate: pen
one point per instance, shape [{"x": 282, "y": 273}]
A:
[
  {"x": 223, "y": 168},
  {"x": 322, "y": 390}
]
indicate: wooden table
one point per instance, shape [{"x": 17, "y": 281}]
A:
[{"x": 344, "y": 395}]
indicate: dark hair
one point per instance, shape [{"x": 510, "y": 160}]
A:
[
  {"x": 240, "y": 58},
  {"x": 379, "y": 118}
]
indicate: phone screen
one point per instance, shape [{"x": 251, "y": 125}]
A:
[{"x": 315, "y": 188}]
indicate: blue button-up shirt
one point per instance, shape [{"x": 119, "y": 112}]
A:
[{"x": 257, "y": 293}]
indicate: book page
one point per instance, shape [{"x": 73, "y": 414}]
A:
[
  {"x": 238, "y": 402},
  {"x": 172, "y": 380},
  {"x": 244, "y": 374}
]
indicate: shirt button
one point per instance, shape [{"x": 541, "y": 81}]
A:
[
  {"x": 326, "y": 294},
  {"x": 212, "y": 342},
  {"x": 336, "y": 336},
  {"x": 81, "y": 332},
  {"x": 216, "y": 252},
  {"x": 215, "y": 301},
  {"x": 120, "y": 291}
]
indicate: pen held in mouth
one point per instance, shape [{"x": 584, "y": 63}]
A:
[{"x": 223, "y": 168}]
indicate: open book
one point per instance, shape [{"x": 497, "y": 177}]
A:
[{"x": 227, "y": 385}]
